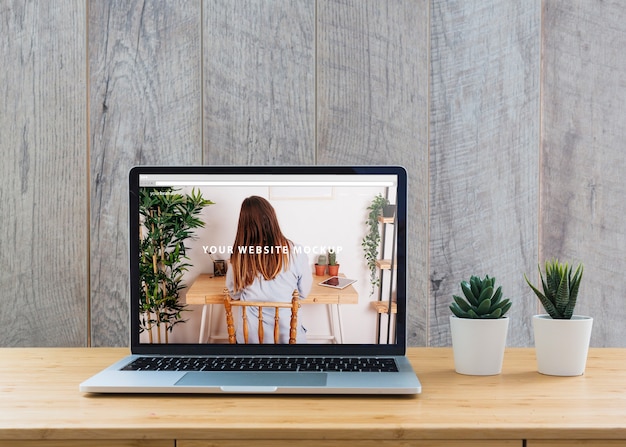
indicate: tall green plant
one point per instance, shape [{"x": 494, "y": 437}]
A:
[
  {"x": 168, "y": 220},
  {"x": 371, "y": 241},
  {"x": 560, "y": 289}
]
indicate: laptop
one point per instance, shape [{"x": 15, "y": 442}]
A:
[{"x": 355, "y": 337}]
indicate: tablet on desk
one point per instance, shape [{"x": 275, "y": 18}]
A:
[{"x": 337, "y": 282}]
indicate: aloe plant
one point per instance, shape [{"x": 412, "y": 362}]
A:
[
  {"x": 481, "y": 301},
  {"x": 560, "y": 289}
]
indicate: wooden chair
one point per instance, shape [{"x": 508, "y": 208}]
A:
[{"x": 229, "y": 303}]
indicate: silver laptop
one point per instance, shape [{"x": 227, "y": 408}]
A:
[{"x": 351, "y": 340}]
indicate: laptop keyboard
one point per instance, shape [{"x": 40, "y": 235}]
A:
[{"x": 321, "y": 364}]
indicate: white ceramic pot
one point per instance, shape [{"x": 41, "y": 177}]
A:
[
  {"x": 478, "y": 345},
  {"x": 561, "y": 346}
]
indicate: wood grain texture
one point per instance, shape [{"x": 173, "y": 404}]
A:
[
  {"x": 484, "y": 136},
  {"x": 308, "y": 443},
  {"x": 582, "y": 186},
  {"x": 450, "y": 90},
  {"x": 354, "y": 443},
  {"x": 259, "y": 82},
  {"x": 573, "y": 443},
  {"x": 372, "y": 108},
  {"x": 145, "y": 108},
  {"x": 96, "y": 443},
  {"x": 516, "y": 405},
  {"x": 43, "y": 229}
]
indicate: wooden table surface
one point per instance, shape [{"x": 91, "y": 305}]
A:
[
  {"x": 207, "y": 289},
  {"x": 39, "y": 399}
]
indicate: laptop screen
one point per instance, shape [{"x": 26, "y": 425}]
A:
[{"x": 201, "y": 235}]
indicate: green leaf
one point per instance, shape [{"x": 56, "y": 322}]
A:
[
  {"x": 461, "y": 303},
  {"x": 467, "y": 291},
  {"x": 574, "y": 285},
  {"x": 540, "y": 295},
  {"x": 472, "y": 314},
  {"x": 495, "y": 314},
  {"x": 562, "y": 294},
  {"x": 506, "y": 307},
  {"x": 486, "y": 294},
  {"x": 475, "y": 286},
  {"x": 496, "y": 297},
  {"x": 484, "y": 306},
  {"x": 553, "y": 280},
  {"x": 545, "y": 302},
  {"x": 551, "y": 309},
  {"x": 456, "y": 310},
  {"x": 498, "y": 293},
  {"x": 497, "y": 305}
]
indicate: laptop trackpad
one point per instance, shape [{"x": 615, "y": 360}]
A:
[{"x": 252, "y": 381}]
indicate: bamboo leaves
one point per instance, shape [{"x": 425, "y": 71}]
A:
[{"x": 168, "y": 220}]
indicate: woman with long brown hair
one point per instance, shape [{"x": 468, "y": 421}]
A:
[{"x": 266, "y": 266}]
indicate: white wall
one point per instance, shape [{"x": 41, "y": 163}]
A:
[{"x": 335, "y": 221}]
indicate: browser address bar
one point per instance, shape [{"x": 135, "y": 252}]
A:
[{"x": 269, "y": 183}]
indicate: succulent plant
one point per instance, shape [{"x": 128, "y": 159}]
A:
[
  {"x": 481, "y": 301},
  {"x": 332, "y": 257},
  {"x": 321, "y": 260},
  {"x": 560, "y": 289}
]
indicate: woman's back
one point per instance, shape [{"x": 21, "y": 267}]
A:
[{"x": 266, "y": 266}]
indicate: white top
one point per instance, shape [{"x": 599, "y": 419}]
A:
[{"x": 297, "y": 275}]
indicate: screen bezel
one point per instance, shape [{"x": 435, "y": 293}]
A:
[{"x": 397, "y": 348}]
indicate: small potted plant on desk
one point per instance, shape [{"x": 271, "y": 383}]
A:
[
  {"x": 479, "y": 327},
  {"x": 320, "y": 265},
  {"x": 561, "y": 338},
  {"x": 333, "y": 267}
]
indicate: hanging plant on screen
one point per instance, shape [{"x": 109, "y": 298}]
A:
[
  {"x": 168, "y": 220},
  {"x": 371, "y": 241}
]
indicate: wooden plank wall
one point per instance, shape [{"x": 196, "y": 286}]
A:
[
  {"x": 484, "y": 134},
  {"x": 259, "y": 82},
  {"x": 145, "y": 108},
  {"x": 43, "y": 174},
  {"x": 583, "y": 183},
  {"x": 372, "y": 108},
  {"x": 451, "y": 90}
]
